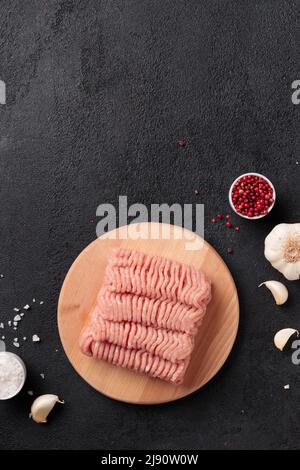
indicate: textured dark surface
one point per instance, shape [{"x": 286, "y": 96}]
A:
[{"x": 98, "y": 93}]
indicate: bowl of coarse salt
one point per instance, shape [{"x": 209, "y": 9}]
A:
[{"x": 12, "y": 373}]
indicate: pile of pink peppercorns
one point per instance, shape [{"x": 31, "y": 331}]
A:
[{"x": 252, "y": 196}]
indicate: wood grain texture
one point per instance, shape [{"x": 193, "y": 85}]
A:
[{"x": 214, "y": 340}]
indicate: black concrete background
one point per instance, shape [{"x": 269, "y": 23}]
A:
[{"x": 98, "y": 94}]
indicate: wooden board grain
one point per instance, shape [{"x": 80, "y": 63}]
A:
[{"x": 214, "y": 340}]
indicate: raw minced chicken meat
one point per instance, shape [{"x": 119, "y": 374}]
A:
[{"x": 148, "y": 311}]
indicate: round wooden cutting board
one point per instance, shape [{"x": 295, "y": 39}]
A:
[{"x": 214, "y": 339}]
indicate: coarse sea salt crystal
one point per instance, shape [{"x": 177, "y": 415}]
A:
[
  {"x": 22, "y": 314},
  {"x": 24, "y": 338},
  {"x": 3, "y": 337},
  {"x": 12, "y": 375},
  {"x": 9, "y": 322},
  {"x": 16, "y": 309},
  {"x": 16, "y": 345},
  {"x": 17, "y": 318},
  {"x": 15, "y": 323},
  {"x": 41, "y": 302},
  {"x": 26, "y": 307},
  {"x": 42, "y": 375},
  {"x": 1, "y": 325},
  {"x": 286, "y": 387},
  {"x": 30, "y": 393},
  {"x": 36, "y": 338}
]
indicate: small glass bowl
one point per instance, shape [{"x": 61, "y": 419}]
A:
[{"x": 256, "y": 216}]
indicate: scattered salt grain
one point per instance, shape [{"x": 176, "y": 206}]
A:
[
  {"x": 16, "y": 345},
  {"x": 16, "y": 340},
  {"x": 42, "y": 375},
  {"x": 3, "y": 337},
  {"x": 1, "y": 275},
  {"x": 33, "y": 300},
  {"x": 41, "y": 302},
  {"x": 24, "y": 338},
  {"x": 30, "y": 393},
  {"x": 22, "y": 314},
  {"x": 35, "y": 339},
  {"x": 1, "y": 325},
  {"x": 9, "y": 322},
  {"x": 26, "y": 307},
  {"x": 297, "y": 163},
  {"x": 17, "y": 318},
  {"x": 286, "y": 387},
  {"x": 15, "y": 323},
  {"x": 16, "y": 309},
  {"x": 15, "y": 327}
]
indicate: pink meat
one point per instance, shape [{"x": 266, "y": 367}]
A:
[
  {"x": 170, "y": 345},
  {"x": 147, "y": 314},
  {"x": 161, "y": 313},
  {"x": 160, "y": 278},
  {"x": 140, "y": 361}
]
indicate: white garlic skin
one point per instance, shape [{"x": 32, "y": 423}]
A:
[
  {"x": 282, "y": 337},
  {"x": 42, "y": 406},
  {"x": 278, "y": 290},
  {"x": 276, "y": 250}
]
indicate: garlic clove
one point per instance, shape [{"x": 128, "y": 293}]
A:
[
  {"x": 42, "y": 406},
  {"x": 283, "y": 336},
  {"x": 278, "y": 290}
]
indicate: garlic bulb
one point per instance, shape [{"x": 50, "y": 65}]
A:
[
  {"x": 282, "y": 249},
  {"x": 42, "y": 406}
]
